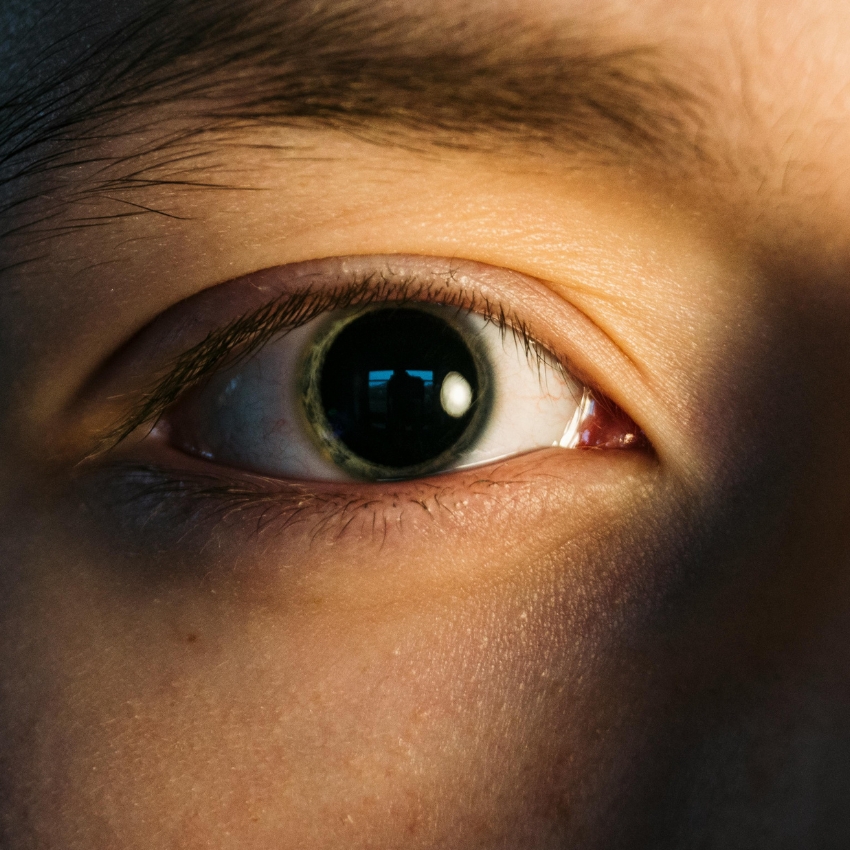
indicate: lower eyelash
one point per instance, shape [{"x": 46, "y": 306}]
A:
[
  {"x": 171, "y": 505},
  {"x": 187, "y": 500}
]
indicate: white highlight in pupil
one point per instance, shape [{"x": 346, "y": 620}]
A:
[{"x": 455, "y": 394}]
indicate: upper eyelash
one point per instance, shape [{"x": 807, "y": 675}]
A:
[{"x": 250, "y": 331}]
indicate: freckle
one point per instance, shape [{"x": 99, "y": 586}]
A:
[{"x": 191, "y": 638}]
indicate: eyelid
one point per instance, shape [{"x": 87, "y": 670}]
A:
[{"x": 199, "y": 335}]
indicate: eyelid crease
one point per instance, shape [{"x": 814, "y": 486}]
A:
[{"x": 247, "y": 333}]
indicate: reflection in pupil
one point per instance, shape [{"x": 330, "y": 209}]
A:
[{"x": 399, "y": 386}]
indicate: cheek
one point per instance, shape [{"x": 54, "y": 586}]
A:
[
  {"x": 441, "y": 728},
  {"x": 439, "y": 694}
]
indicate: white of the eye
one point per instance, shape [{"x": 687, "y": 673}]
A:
[
  {"x": 536, "y": 404},
  {"x": 250, "y": 417},
  {"x": 455, "y": 394}
]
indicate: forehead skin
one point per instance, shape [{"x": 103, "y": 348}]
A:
[{"x": 668, "y": 670}]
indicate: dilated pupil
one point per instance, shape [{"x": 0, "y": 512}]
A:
[{"x": 399, "y": 386}]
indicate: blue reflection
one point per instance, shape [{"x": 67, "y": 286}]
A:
[{"x": 380, "y": 377}]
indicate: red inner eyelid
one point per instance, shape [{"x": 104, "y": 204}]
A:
[{"x": 606, "y": 426}]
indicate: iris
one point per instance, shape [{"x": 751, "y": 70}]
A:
[{"x": 395, "y": 390}]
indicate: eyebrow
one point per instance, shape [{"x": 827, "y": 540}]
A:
[{"x": 469, "y": 80}]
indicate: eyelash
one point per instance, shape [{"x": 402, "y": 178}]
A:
[{"x": 249, "y": 332}]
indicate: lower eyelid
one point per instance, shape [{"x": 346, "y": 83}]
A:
[{"x": 158, "y": 499}]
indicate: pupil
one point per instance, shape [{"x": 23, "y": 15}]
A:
[{"x": 399, "y": 387}]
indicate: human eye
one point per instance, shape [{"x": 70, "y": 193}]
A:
[
  {"x": 353, "y": 372},
  {"x": 384, "y": 390}
]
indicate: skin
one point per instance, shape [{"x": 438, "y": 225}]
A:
[{"x": 652, "y": 649}]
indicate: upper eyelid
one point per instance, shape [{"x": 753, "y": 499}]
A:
[{"x": 251, "y": 330}]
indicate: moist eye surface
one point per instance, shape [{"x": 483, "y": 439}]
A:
[{"x": 396, "y": 391}]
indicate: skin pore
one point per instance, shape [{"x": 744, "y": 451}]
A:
[{"x": 596, "y": 649}]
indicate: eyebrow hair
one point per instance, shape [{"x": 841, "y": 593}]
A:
[{"x": 474, "y": 81}]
